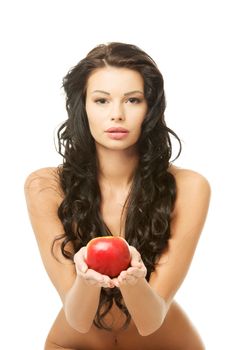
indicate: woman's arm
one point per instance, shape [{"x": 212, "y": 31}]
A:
[
  {"x": 82, "y": 300},
  {"x": 80, "y": 305},
  {"x": 148, "y": 302},
  {"x": 146, "y": 307},
  {"x": 79, "y": 294}
]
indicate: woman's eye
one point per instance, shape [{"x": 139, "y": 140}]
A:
[
  {"x": 134, "y": 100},
  {"x": 101, "y": 101}
]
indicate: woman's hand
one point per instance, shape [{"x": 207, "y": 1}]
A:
[
  {"x": 136, "y": 271},
  {"x": 90, "y": 276}
]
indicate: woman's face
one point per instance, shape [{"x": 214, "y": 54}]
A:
[{"x": 115, "y": 99}]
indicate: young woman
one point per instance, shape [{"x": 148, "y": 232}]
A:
[{"x": 117, "y": 179}]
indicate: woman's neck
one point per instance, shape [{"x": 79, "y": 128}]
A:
[{"x": 116, "y": 168}]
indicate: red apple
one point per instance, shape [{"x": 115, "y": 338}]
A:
[{"x": 108, "y": 255}]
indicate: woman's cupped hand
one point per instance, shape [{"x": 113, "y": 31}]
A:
[{"x": 136, "y": 271}]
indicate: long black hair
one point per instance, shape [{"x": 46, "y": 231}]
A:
[{"x": 153, "y": 191}]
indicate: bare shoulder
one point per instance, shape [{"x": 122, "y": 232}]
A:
[
  {"x": 43, "y": 198},
  {"x": 191, "y": 185},
  {"x": 187, "y": 221},
  {"x": 187, "y": 175},
  {"x": 44, "y": 179},
  {"x": 192, "y": 202},
  {"x": 42, "y": 175}
]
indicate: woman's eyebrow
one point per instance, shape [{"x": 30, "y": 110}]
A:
[
  {"x": 126, "y": 94},
  {"x": 133, "y": 92},
  {"x": 103, "y": 92}
]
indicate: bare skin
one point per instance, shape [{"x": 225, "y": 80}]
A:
[
  {"x": 115, "y": 98},
  {"x": 176, "y": 332}
]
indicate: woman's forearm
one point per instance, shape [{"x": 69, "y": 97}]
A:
[
  {"x": 147, "y": 308},
  {"x": 80, "y": 305}
]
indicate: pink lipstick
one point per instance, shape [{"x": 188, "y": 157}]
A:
[{"x": 117, "y": 133}]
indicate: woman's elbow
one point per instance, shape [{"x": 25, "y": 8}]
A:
[
  {"x": 145, "y": 331},
  {"x": 79, "y": 328},
  {"x": 77, "y": 325},
  {"x": 82, "y": 329}
]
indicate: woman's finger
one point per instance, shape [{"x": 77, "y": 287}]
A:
[
  {"x": 132, "y": 270},
  {"x": 131, "y": 279},
  {"x": 79, "y": 260},
  {"x": 137, "y": 272},
  {"x": 107, "y": 282},
  {"x": 115, "y": 282},
  {"x": 136, "y": 257},
  {"x": 93, "y": 275}
]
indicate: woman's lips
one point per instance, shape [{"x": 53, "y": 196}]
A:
[
  {"x": 116, "y": 129},
  {"x": 117, "y": 135}
]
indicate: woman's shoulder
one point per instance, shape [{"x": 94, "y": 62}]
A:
[
  {"x": 43, "y": 179},
  {"x": 41, "y": 176},
  {"x": 192, "y": 186},
  {"x": 187, "y": 176}
]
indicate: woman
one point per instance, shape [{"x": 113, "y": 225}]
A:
[{"x": 117, "y": 179}]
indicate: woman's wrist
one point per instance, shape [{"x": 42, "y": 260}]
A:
[{"x": 81, "y": 304}]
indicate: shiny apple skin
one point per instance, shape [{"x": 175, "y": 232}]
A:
[{"x": 108, "y": 255}]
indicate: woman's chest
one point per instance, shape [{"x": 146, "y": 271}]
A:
[{"x": 114, "y": 215}]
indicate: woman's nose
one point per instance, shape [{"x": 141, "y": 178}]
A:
[
  {"x": 117, "y": 113},
  {"x": 117, "y": 117}
]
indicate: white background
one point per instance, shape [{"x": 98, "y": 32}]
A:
[{"x": 192, "y": 43}]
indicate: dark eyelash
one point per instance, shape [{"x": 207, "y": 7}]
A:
[
  {"x": 134, "y": 99},
  {"x": 131, "y": 99},
  {"x": 100, "y": 100}
]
